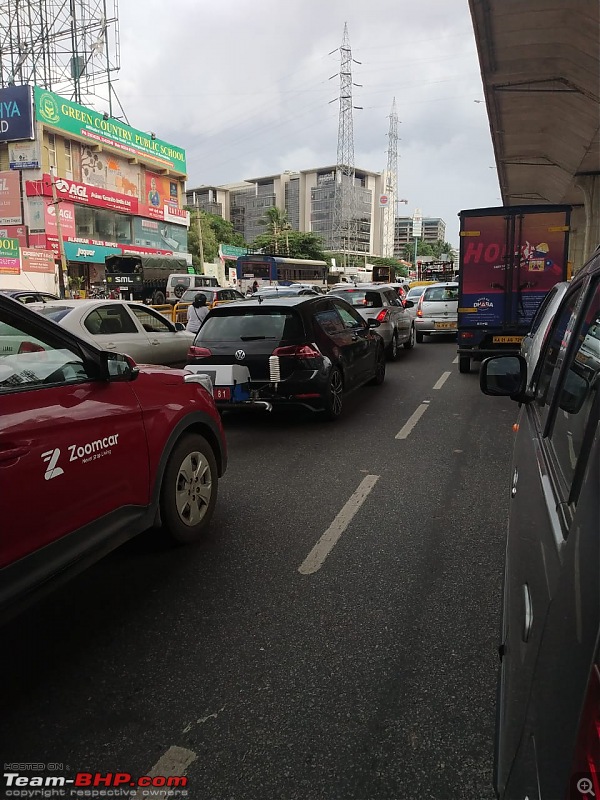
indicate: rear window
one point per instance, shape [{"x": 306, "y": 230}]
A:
[
  {"x": 249, "y": 325},
  {"x": 188, "y": 296},
  {"x": 414, "y": 294},
  {"x": 360, "y": 298},
  {"x": 440, "y": 294},
  {"x": 55, "y": 313}
]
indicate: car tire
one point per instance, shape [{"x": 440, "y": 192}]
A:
[
  {"x": 379, "y": 376},
  {"x": 419, "y": 337},
  {"x": 333, "y": 400},
  {"x": 410, "y": 343},
  {"x": 186, "y": 509},
  {"x": 393, "y": 350},
  {"x": 464, "y": 364},
  {"x": 158, "y": 298}
]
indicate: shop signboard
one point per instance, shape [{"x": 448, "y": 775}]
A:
[
  {"x": 14, "y": 232},
  {"x": 82, "y": 193},
  {"x": 67, "y": 218},
  {"x": 151, "y": 233},
  {"x": 85, "y": 123},
  {"x": 77, "y": 251},
  {"x": 177, "y": 216},
  {"x": 24, "y": 155},
  {"x": 10, "y": 263},
  {"x": 16, "y": 113},
  {"x": 10, "y": 198},
  {"x": 37, "y": 261}
]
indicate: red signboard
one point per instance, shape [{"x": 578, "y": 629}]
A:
[
  {"x": 10, "y": 198},
  {"x": 82, "y": 193},
  {"x": 14, "y": 232},
  {"x": 67, "y": 219}
]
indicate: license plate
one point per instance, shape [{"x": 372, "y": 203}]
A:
[
  {"x": 445, "y": 325},
  {"x": 508, "y": 339},
  {"x": 222, "y": 393}
]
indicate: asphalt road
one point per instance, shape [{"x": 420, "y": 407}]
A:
[{"x": 368, "y": 675}]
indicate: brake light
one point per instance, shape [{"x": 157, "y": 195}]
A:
[
  {"x": 298, "y": 351},
  {"x": 586, "y": 762},
  {"x": 199, "y": 352},
  {"x": 383, "y": 315},
  {"x": 466, "y": 335},
  {"x": 420, "y": 307},
  {"x": 30, "y": 347}
]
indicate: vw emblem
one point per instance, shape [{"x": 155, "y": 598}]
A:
[{"x": 240, "y": 355}]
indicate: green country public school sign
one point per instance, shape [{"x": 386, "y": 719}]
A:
[{"x": 64, "y": 115}]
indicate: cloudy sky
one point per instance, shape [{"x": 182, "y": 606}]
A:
[{"x": 244, "y": 86}]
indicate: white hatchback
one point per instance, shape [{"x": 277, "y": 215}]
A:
[{"x": 437, "y": 311}]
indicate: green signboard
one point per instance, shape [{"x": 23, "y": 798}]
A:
[
  {"x": 69, "y": 117},
  {"x": 10, "y": 263},
  {"x": 230, "y": 251}
]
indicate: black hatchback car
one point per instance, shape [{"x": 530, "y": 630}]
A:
[{"x": 305, "y": 350}]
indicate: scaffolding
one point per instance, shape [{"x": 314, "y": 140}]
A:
[{"x": 70, "y": 47}]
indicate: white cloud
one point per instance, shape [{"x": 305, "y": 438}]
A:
[{"x": 245, "y": 88}]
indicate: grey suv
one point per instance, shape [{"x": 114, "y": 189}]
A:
[
  {"x": 548, "y": 717},
  {"x": 383, "y": 304}
]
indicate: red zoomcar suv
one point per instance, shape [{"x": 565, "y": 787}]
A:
[{"x": 93, "y": 450}]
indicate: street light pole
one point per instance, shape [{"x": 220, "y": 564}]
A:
[
  {"x": 200, "y": 242},
  {"x": 61, "y": 245},
  {"x": 416, "y": 244}
]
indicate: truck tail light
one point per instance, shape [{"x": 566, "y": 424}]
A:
[
  {"x": 586, "y": 761},
  {"x": 383, "y": 315},
  {"x": 466, "y": 335},
  {"x": 199, "y": 352},
  {"x": 298, "y": 351}
]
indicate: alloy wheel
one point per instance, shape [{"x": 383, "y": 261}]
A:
[{"x": 193, "y": 488}]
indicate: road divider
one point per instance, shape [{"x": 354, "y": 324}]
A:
[
  {"x": 315, "y": 559},
  {"x": 405, "y": 431}
]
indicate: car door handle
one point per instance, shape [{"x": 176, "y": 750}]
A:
[
  {"x": 154, "y": 341},
  {"x": 11, "y": 453},
  {"x": 109, "y": 345}
]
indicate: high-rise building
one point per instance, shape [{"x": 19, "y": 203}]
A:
[
  {"x": 308, "y": 199},
  {"x": 434, "y": 229}
]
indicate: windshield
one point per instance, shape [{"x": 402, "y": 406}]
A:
[
  {"x": 190, "y": 294},
  {"x": 55, "y": 313},
  {"x": 255, "y": 324},
  {"x": 414, "y": 294}
]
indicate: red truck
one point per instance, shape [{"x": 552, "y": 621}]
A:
[{"x": 510, "y": 257}]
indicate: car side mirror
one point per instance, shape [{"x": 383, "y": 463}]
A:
[
  {"x": 504, "y": 376},
  {"x": 374, "y": 323},
  {"x": 409, "y": 304},
  {"x": 117, "y": 367},
  {"x": 179, "y": 326}
]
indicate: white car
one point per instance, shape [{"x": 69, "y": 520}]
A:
[{"x": 123, "y": 327}]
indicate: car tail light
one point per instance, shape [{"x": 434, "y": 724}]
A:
[
  {"x": 420, "y": 307},
  {"x": 383, "y": 315},
  {"x": 30, "y": 347},
  {"x": 298, "y": 351},
  {"x": 586, "y": 762},
  {"x": 466, "y": 335},
  {"x": 199, "y": 352}
]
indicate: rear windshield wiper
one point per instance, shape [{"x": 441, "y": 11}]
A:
[{"x": 251, "y": 338}]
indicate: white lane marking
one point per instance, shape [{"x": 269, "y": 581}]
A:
[
  {"x": 455, "y": 360},
  {"x": 315, "y": 559},
  {"x": 174, "y": 762},
  {"x": 442, "y": 380},
  {"x": 406, "y": 430}
]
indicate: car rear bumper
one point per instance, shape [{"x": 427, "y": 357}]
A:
[{"x": 428, "y": 325}]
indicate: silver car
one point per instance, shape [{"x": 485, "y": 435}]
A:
[
  {"x": 414, "y": 295},
  {"x": 130, "y": 328},
  {"x": 532, "y": 343},
  {"x": 437, "y": 310},
  {"x": 382, "y": 303}
]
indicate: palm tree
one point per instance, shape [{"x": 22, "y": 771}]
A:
[{"x": 277, "y": 223}]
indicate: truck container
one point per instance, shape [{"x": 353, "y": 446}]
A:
[
  {"x": 143, "y": 277},
  {"x": 510, "y": 257}
]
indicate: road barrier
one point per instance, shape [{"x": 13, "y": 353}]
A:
[
  {"x": 166, "y": 310},
  {"x": 180, "y": 312}
]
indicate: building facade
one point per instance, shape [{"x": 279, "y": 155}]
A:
[
  {"x": 116, "y": 189},
  {"x": 434, "y": 230},
  {"x": 308, "y": 198}
]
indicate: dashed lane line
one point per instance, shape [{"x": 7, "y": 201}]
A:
[
  {"x": 442, "y": 380},
  {"x": 406, "y": 430},
  {"x": 315, "y": 559}
]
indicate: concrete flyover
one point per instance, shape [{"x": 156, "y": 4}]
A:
[{"x": 540, "y": 66}]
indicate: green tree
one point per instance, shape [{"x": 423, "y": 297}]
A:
[
  {"x": 434, "y": 249},
  {"x": 209, "y": 240},
  {"x": 298, "y": 244},
  {"x": 278, "y": 229},
  {"x": 224, "y": 232},
  {"x": 390, "y": 262}
]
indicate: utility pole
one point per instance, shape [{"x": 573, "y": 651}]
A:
[
  {"x": 61, "y": 245},
  {"x": 200, "y": 242}
]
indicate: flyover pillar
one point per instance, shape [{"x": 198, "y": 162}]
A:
[{"x": 590, "y": 187}]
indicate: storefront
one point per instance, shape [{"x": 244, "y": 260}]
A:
[{"x": 85, "y": 265}]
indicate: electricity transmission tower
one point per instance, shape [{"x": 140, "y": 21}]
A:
[
  {"x": 344, "y": 213},
  {"x": 391, "y": 186},
  {"x": 70, "y": 47}
]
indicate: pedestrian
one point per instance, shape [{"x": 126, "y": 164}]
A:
[
  {"x": 196, "y": 313},
  {"x": 255, "y": 287}
]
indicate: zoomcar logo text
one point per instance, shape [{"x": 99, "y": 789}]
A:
[{"x": 98, "y": 446}]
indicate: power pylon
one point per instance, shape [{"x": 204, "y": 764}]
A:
[
  {"x": 391, "y": 186},
  {"x": 344, "y": 216},
  {"x": 70, "y": 47}
]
